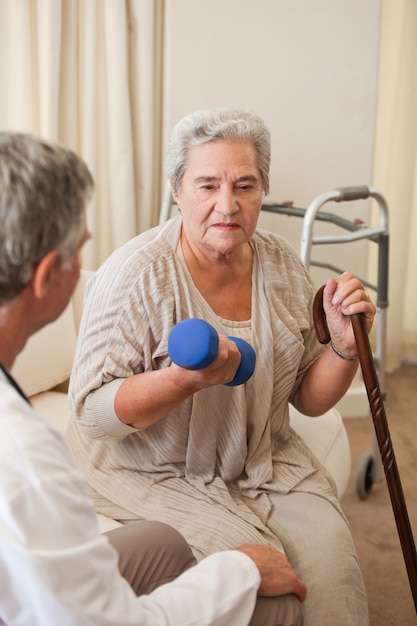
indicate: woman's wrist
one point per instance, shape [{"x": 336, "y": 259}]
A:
[{"x": 342, "y": 355}]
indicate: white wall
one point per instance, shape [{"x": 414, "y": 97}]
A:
[{"x": 309, "y": 68}]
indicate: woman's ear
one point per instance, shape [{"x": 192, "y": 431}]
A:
[
  {"x": 173, "y": 193},
  {"x": 43, "y": 272}
]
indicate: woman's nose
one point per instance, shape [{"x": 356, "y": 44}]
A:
[{"x": 226, "y": 202}]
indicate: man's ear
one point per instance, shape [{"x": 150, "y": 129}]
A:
[{"x": 43, "y": 272}]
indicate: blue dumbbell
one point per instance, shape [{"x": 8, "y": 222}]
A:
[{"x": 193, "y": 344}]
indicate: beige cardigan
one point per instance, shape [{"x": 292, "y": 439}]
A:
[{"x": 207, "y": 467}]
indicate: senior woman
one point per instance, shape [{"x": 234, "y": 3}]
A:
[{"x": 220, "y": 463}]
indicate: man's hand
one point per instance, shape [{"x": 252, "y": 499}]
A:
[{"x": 277, "y": 575}]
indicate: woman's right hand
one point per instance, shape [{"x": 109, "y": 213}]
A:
[
  {"x": 143, "y": 399},
  {"x": 220, "y": 371}
]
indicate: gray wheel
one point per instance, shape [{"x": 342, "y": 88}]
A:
[{"x": 365, "y": 476}]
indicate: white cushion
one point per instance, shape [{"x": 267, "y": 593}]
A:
[
  {"x": 327, "y": 438},
  {"x": 53, "y": 406},
  {"x": 106, "y": 523},
  {"x": 47, "y": 358}
]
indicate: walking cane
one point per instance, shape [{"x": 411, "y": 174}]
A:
[{"x": 381, "y": 430}]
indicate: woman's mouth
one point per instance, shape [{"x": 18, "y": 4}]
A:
[{"x": 226, "y": 226}]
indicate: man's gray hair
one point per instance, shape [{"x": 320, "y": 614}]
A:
[
  {"x": 218, "y": 124},
  {"x": 44, "y": 189}
]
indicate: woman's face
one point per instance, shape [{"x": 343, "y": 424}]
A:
[{"x": 220, "y": 196}]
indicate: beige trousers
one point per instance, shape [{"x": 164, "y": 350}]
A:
[{"x": 319, "y": 546}]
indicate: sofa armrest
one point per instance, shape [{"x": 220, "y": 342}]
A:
[{"x": 47, "y": 358}]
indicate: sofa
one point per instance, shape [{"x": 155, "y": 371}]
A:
[{"x": 44, "y": 366}]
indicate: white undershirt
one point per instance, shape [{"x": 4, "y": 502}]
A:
[{"x": 238, "y": 329}]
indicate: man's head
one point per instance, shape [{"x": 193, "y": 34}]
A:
[{"x": 44, "y": 189}]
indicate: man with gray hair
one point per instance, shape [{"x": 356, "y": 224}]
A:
[{"x": 55, "y": 567}]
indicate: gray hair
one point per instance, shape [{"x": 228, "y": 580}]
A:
[
  {"x": 219, "y": 124},
  {"x": 44, "y": 189}
]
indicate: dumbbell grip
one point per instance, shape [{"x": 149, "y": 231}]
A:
[
  {"x": 194, "y": 344},
  {"x": 247, "y": 362}
]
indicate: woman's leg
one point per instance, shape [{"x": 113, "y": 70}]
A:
[
  {"x": 280, "y": 611},
  {"x": 277, "y": 611},
  {"x": 150, "y": 554},
  {"x": 318, "y": 544}
]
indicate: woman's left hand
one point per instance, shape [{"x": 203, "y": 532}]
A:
[{"x": 341, "y": 299}]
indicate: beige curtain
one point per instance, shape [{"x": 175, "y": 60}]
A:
[
  {"x": 86, "y": 73},
  {"x": 395, "y": 172}
]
